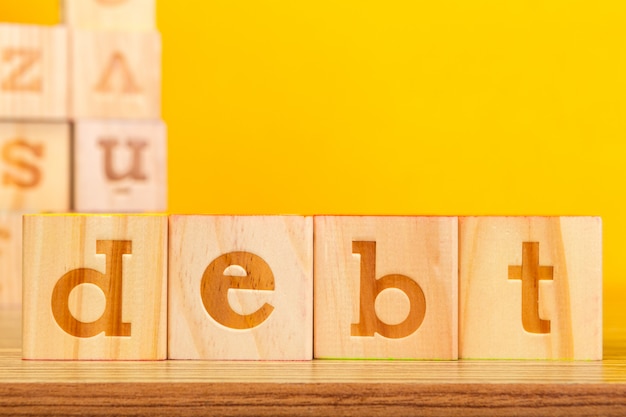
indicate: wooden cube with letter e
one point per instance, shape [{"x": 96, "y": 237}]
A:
[
  {"x": 115, "y": 75},
  {"x": 385, "y": 287},
  {"x": 10, "y": 259},
  {"x": 530, "y": 287},
  {"x": 33, "y": 72},
  {"x": 120, "y": 166},
  {"x": 110, "y": 14},
  {"x": 34, "y": 166},
  {"x": 95, "y": 287},
  {"x": 240, "y": 287}
]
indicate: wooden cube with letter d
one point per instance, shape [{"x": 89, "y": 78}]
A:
[
  {"x": 95, "y": 287},
  {"x": 386, "y": 287},
  {"x": 241, "y": 287}
]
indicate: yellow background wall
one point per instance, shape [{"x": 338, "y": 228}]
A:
[{"x": 396, "y": 107}]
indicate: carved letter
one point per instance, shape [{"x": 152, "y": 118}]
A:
[
  {"x": 117, "y": 63},
  {"x": 10, "y": 158},
  {"x": 109, "y": 282},
  {"x": 16, "y": 79},
  {"x": 369, "y": 323},
  {"x": 134, "y": 171},
  {"x": 530, "y": 272},
  {"x": 215, "y": 285}
]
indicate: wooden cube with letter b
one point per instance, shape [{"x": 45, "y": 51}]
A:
[
  {"x": 530, "y": 287},
  {"x": 115, "y": 75},
  {"x": 120, "y": 166},
  {"x": 33, "y": 72},
  {"x": 34, "y": 166},
  {"x": 95, "y": 287},
  {"x": 386, "y": 287},
  {"x": 240, "y": 287}
]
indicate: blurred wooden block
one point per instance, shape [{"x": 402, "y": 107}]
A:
[
  {"x": 35, "y": 166},
  {"x": 530, "y": 287},
  {"x": 95, "y": 287},
  {"x": 10, "y": 259},
  {"x": 386, "y": 287},
  {"x": 241, "y": 287},
  {"x": 115, "y": 75},
  {"x": 33, "y": 72},
  {"x": 120, "y": 166},
  {"x": 110, "y": 14}
]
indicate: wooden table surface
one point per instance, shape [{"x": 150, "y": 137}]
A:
[{"x": 320, "y": 387}]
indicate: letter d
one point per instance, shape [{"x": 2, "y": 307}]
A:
[
  {"x": 111, "y": 285},
  {"x": 369, "y": 323}
]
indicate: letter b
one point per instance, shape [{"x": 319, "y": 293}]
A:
[
  {"x": 369, "y": 323},
  {"x": 109, "y": 282}
]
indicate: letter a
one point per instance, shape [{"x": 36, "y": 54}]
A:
[
  {"x": 111, "y": 285},
  {"x": 369, "y": 323},
  {"x": 117, "y": 63}
]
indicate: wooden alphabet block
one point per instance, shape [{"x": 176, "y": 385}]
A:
[
  {"x": 95, "y": 287},
  {"x": 115, "y": 75},
  {"x": 10, "y": 259},
  {"x": 35, "y": 166},
  {"x": 241, "y": 287},
  {"x": 33, "y": 72},
  {"x": 120, "y": 166},
  {"x": 530, "y": 287},
  {"x": 110, "y": 14},
  {"x": 386, "y": 287}
]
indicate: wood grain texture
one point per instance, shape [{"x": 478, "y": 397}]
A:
[
  {"x": 95, "y": 287},
  {"x": 319, "y": 387},
  {"x": 115, "y": 75},
  {"x": 352, "y": 277},
  {"x": 33, "y": 72},
  {"x": 368, "y": 399},
  {"x": 530, "y": 287},
  {"x": 241, "y": 287},
  {"x": 34, "y": 166},
  {"x": 120, "y": 166},
  {"x": 10, "y": 259},
  {"x": 110, "y": 14}
]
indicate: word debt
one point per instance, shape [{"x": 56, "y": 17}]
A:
[{"x": 205, "y": 287}]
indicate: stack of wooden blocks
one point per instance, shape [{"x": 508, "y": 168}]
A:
[
  {"x": 80, "y": 126},
  {"x": 153, "y": 287}
]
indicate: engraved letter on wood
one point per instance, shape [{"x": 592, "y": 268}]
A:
[{"x": 109, "y": 282}]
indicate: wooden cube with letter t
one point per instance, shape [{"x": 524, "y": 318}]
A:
[
  {"x": 240, "y": 287},
  {"x": 95, "y": 287},
  {"x": 530, "y": 287},
  {"x": 386, "y": 287},
  {"x": 33, "y": 72},
  {"x": 115, "y": 75},
  {"x": 120, "y": 166},
  {"x": 110, "y": 14},
  {"x": 34, "y": 166}
]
